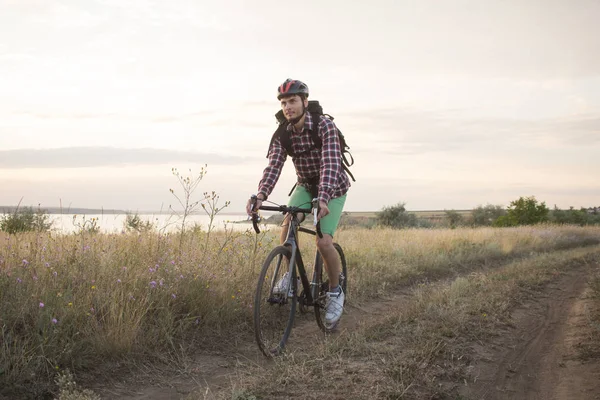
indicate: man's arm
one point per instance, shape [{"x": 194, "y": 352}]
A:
[
  {"x": 331, "y": 159},
  {"x": 271, "y": 173}
]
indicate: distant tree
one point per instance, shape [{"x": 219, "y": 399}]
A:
[
  {"x": 396, "y": 217},
  {"x": 571, "y": 216},
  {"x": 454, "y": 218},
  {"x": 524, "y": 211},
  {"x": 25, "y": 220},
  {"x": 486, "y": 215}
]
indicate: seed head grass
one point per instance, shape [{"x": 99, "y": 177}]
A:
[{"x": 84, "y": 300}]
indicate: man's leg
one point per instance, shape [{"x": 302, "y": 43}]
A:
[{"x": 330, "y": 255}]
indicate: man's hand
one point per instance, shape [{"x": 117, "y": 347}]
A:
[
  {"x": 249, "y": 205},
  {"x": 323, "y": 210}
]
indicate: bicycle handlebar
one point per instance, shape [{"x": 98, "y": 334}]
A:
[{"x": 286, "y": 210}]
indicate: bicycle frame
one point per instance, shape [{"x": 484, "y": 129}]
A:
[{"x": 311, "y": 290}]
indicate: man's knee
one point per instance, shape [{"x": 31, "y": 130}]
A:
[{"x": 325, "y": 242}]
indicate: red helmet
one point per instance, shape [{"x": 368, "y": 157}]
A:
[{"x": 291, "y": 87}]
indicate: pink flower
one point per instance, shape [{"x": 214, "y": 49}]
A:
[
  {"x": 41, "y": 305},
  {"x": 54, "y": 321}
]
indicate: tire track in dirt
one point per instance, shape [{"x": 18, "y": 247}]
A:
[{"x": 537, "y": 357}]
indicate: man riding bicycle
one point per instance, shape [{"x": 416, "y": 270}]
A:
[{"x": 320, "y": 174}]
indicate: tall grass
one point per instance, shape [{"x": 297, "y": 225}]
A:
[{"x": 78, "y": 301}]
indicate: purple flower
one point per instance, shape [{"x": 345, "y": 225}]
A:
[
  {"x": 118, "y": 281},
  {"x": 47, "y": 265},
  {"x": 161, "y": 282},
  {"x": 151, "y": 270},
  {"x": 19, "y": 280},
  {"x": 174, "y": 296},
  {"x": 54, "y": 321},
  {"x": 55, "y": 273},
  {"x": 153, "y": 284},
  {"x": 172, "y": 262},
  {"x": 25, "y": 263},
  {"x": 35, "y": 278},
  {"x": 41, "y": 305},
  {"x": 124, "y": 268}
]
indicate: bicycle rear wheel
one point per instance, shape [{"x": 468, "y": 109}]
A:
[
  {"x": 274, "y": 312},
  {"x": 323, "y": 286}
]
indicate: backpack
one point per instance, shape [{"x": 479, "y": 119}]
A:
[{"x": 316, "y": 111}]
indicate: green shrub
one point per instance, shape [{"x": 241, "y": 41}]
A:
[
  {"x": 396, "y": 217},
  {"x": 486, "y": 215},
  {"x": 524, "y": 211},
  {"x": 25, "y": 220}
]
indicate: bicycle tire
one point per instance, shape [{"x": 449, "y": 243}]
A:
[
  {"x": 324, "y": 287},
  {"x": 273, "y": 313}
]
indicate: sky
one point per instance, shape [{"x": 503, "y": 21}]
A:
[{"x": 445, "y": 105}]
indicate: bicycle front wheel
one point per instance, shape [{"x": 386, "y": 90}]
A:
[{"x": 274, "y": 309}]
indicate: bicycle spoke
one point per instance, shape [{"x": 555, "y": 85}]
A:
[{"x": 273, "y": 309}]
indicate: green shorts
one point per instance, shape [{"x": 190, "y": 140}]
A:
[{"x": 329, "y": 223}]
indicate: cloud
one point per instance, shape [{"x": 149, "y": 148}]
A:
[
  {"x": 80, "y": 157},
  {"x": 403, "y": 131}
]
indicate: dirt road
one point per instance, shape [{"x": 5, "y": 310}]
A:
[{"x": 539, "y": 358}]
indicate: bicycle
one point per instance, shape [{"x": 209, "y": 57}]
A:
[{"x": 275, "y": 306}]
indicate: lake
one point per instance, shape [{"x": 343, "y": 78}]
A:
[{"x": 114, "y": 223}]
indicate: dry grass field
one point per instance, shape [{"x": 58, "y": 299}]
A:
[{"x": 110, "y": 306}]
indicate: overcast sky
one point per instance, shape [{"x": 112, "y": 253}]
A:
[{"x": 446, "y": 105}]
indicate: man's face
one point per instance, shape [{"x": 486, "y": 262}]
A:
[{"x": 292, "y": 106}]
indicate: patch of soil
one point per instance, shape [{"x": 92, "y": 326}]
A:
[{"x": 538, "y": 357}]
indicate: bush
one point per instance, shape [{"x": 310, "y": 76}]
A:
[
  {"x": 25, "y": 220},
  {"x": 572, "y": 216},
  {"x": 486, "y": 215},
  {"x": 454, "y": 218},
  {"x": 133, "y": 222},
  {"x": 396, "y": 217},
  {"x": 524, "y": 211}
]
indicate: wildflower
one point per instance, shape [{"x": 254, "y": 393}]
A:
[
  {"x": 70, "y": 304},
  {"x": 118, "y": 281},
  {"x": 152, "y": 284},
  {"x": 47, "y": 265},
  {"x": 41, "y": 305},
  {"x": 35, "y": 278},
  {"x": 161, "y": 282},
  {"x": 174, "y": 296},
  {"x": 197, "y": 321},
  {"x": 55, "y": 273},
  {"x": 25, "y": 263},
  {"x": 172, "y": 262},
  {"x": 54, "y": 321},
  {"x": 124, "y": 268},
  {"x": 92, "y": 310},
  {"x": 151, "y": 270},
  {"x": 19, "y": 280},
  {"x": 232, "y": 296},
  {"x": 93, "y": 287}
]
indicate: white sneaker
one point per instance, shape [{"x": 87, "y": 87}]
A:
[
  {"x": 334, "y": 306},
  {"x": 281, "y": 287}
]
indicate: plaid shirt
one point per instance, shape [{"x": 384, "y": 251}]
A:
[{"x": 310, "y": 162}]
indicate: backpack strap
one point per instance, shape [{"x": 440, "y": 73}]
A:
[
  {"x": 284, "y": 139},
  {"x": 314, "y": 132}
]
